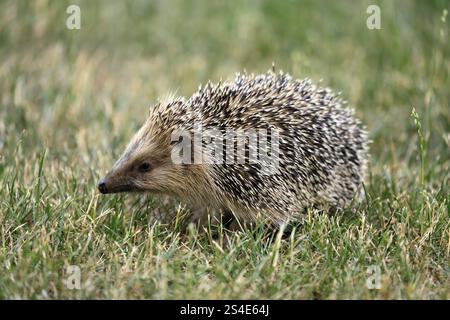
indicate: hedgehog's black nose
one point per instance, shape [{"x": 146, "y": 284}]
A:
[{"x": 102, "y": 186}]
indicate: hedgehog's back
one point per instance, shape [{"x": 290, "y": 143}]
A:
[{"x": 322, "y": 147}]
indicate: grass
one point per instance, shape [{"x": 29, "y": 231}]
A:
[{"x": 71, "y": 99}]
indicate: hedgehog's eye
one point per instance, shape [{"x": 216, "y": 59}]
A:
[{"x": 144, "y": 167}]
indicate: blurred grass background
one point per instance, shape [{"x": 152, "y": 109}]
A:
[{"x": 71, "y": 99}]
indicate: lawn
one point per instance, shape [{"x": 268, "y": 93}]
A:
[{"x": 71, "y": 99}]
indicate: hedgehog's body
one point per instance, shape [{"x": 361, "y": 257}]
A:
[{"x": 322, "y": 150}]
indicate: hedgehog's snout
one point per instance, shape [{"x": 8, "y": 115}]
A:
[
  {"x": 112, "y": 184},
  {"x": 102, "y": 186}
]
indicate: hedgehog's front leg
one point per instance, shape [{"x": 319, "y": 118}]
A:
[{"x": 204, "y": 217}]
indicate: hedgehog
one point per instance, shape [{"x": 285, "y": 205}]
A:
[{"x": 262, "y": 146}]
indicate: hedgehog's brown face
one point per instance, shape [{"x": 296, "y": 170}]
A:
[{"x": 144, "y": 166}]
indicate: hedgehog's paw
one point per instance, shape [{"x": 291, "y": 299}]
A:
[
  {"x": 205, "y": 217},
  {"x": 237, "y": 224}
]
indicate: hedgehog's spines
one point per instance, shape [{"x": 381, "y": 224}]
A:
[{"x": 322, "y": 151}]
